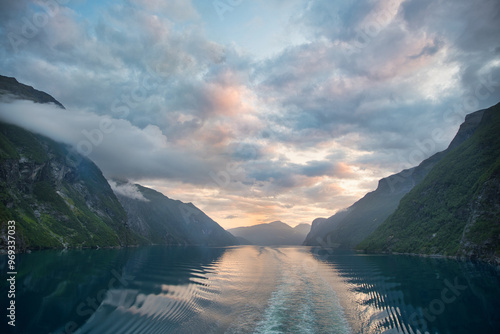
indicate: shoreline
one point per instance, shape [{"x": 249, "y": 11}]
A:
[{"x": 492, "y": 260}]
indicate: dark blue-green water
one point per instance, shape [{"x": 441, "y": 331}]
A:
[{"x": 248, "y": 289}]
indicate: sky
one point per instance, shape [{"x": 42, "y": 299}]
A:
[{"x": 254, "y": 111}]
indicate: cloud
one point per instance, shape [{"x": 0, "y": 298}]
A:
[
  {"x": 174, "y": 9},
  {"x": 381, "y": 88},
  {"x": 128, "y": 190},
  {"x": 325, "y": 168},
  {"x": 119, "y": 148},
  {"x": 430, "y": 49},
  {"x": 342, "y": 96}
]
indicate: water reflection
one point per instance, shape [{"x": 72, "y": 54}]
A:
[
  {"x": 202, "y": 291},
  {"x": 249, "y": 289},
  {"x": 407, "y": 294},
  {"x": 57, "y": 291}
]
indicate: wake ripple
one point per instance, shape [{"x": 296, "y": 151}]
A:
[
  {"x": 257, "y": 290},
  {"x": 302, "y": 302}
]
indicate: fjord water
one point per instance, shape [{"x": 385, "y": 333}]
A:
[{"x": 249, "y": 289}]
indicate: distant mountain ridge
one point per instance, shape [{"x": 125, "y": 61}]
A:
[
  {"x": 350, "y": 226},
  {"x": 271, "y": 234}
]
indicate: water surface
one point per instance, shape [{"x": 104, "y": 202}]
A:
[{"x": 249, "y": 289}]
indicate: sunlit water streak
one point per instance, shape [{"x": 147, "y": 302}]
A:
[
  {"x": 250, "y": 289},
  {"x": 246, "y": 290}
]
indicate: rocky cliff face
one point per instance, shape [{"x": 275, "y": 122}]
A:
[
  {"x": 455, "y": 210},
  {"x": 349, "y": 227},
  {"x": 57, "y": 197},
  {"x": 481, "y": 235},
  {"x": 56, "y": 201},
  {"x": 162, "y": 220}
]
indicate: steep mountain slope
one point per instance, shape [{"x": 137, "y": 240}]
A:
[
  {"x": 455, "y": 210},
  {"x": 59, "y": 199},
  {"x": 303, "y": 229},
  {"x": 349, "y": 227},
  {"x": 275, "y": 233},
  {"x": 11, "y": 88},
  {"x": 166, "y": 221},
  {"x": 54, "y": 200}
]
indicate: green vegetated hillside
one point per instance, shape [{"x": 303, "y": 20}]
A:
[
  {"x": 349, "y": 227},
  {"x": 55, "y": 200},
  {"x": 455, "y": 210},
  {"x": 162, "y": 220},
  {"x": 275, "y": 233}
]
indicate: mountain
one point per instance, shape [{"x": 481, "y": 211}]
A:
[
  {"x": 275, "y": 233},
  {"x": 162, "y": 220},
  {"x": 350, "y": 226},
  {"x": 303, "y": 229},
  {"x": 59, "y": 198},
  {"x": 455, "y": 210},
  {"x": 55, "y": 201},
  {"x": 11, "y": 88}
]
